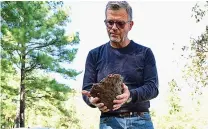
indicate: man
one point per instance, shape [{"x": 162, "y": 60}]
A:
[{"x": 134, "y": 62}]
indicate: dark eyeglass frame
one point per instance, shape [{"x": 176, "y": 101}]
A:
[{"x": 119, "y": 24}]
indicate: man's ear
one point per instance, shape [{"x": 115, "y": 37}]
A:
[{"x": 131, "y": 25}]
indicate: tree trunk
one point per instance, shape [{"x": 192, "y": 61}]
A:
[
  {"x": 20, "y": 117},
  {"x": 22, "y": 94},
  {"x": 22, "y": 106}
]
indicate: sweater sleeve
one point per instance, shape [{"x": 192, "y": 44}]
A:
[
  {"x": 150, "y": 88},
  {"x": 90, "y": 76}
]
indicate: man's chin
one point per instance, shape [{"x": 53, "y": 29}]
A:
[{"x": 114, "y": 40}]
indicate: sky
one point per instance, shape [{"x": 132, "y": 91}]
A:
[{"x": 157, "y": 24}]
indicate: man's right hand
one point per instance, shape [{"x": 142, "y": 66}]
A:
[{"x": 95, "y": 101}]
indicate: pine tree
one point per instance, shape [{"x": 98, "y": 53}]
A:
[{"x": 33, "y": 39}]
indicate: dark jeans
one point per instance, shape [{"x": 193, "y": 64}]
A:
[{"x": 135, "y": 122}]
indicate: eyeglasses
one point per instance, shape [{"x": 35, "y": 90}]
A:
[{"x": 119, "y": 24}]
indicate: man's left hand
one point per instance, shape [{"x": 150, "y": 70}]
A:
[{"x": 121, "y": 99}]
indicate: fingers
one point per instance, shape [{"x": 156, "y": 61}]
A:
[
  {"x": 117, "y": 106},
  {"x": 105, "y": 109},
  {"x": 95, "y": 101},
  {"x": 110, "y": 75},
  {"x": 125, "y": 88},
  {"x": 101, "y": 106},
  {"x": 87, "y": 93},
  {"x": 122, "y": 96},
  {"x": 121, "y": 99}
]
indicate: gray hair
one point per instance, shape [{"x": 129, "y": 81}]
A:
[{"x": 116, "y": 5}]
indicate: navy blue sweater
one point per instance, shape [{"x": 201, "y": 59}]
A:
[{"x": 137, "y": 66}]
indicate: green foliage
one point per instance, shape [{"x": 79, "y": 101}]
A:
[
  {"x": 47, "y": 101},
  {"x": 31, "y": 29},
  {"x": 180, "y": 115},
  {"x": 9, "y": 93},
  {"x": 33, "y": 39},
  {"x": 193, "y": 115},
  {"x": 199, "y": 11},
  {"x": 196, "y": 70},
  {"x": 174, "y": 100}
]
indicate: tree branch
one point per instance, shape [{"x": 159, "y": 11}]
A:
[
  {"x": 29, "y": 69},
  {"x": 33, "y": 43},
  {"x": 39, "y": 97},
  {"x": 41, "y": 46}
]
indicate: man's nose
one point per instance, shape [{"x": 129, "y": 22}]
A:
[{"x": 114, "y": 26}]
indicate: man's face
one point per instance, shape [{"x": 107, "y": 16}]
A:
[{"x": 117, "y": 25}]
